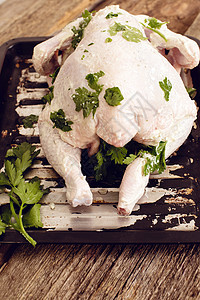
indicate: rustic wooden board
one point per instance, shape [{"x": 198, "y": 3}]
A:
[
  {"x": 102, "y": 272},
  {"x": 167, "y": 272},
  {"x": 48, "y": 17}
]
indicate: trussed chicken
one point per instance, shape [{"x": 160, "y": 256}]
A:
[{"x": 116, "y": 83}]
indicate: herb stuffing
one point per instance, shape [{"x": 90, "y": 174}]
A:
[
  {"x": 166, "y": 86},
  {"x": 24, "y": 209},
  {"x": 116, "y": 159},
  {"x": 59, "y": 120}
]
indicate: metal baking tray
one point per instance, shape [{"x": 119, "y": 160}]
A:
[{"x": 167, "y": 213}]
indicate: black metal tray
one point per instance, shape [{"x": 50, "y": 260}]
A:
[{"x": 15, "y": 56}]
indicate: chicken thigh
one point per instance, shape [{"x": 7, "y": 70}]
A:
[{"x": 117, "y": 84}]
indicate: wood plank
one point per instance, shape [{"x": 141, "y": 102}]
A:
[
  {"x": 43, "y": 14},
  {"x": 102, "y": 272}
]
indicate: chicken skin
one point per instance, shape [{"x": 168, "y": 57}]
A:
[{"x": 132, "y": 90}]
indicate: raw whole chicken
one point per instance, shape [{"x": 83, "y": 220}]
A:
[{"x": 136, "y": 92}]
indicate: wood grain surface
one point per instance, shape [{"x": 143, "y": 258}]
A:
[{"x": 157, "y": 272}]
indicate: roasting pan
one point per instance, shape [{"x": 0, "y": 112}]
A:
[{"x": 167, "y": 213}]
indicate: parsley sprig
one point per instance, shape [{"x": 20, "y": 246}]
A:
[
  {"x": 166, "y": 86},
  {"x": 86, "y": 100},
  {"x": 29, "y": 121},
  {"x": 153, "y": 24},
  {"x": 60, "y": 121},
  {"x": 109, "y": 157},
  {"x": 155, "y": 158},
  {"x": 24, "y": 210}
]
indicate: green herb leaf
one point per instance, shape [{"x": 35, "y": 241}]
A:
[
  {"x": 32, "y": 217},
  {"x": 54, "y": 75},
  {"x": 85, "y": 100},
  {"x": 19, "y": 151},
  {"x": 117, "y": 27},
  {"x": 92, "y": 80},
  {"x": 192, "y": 92},
  {"x": 131, "y": 34},
  {"x": 153, "y": 24},
  {"x": 113, "y": 96},
  {"x": 166, "y": 86},
  {"x": 117, "y": 154},
  {"x": 156, "y": 160},
  {"x": 4, "y": 181},
  {"x": 2, "y": 227},
  {"x": 6, "y": 214},
  {"x": 29, "y": 121},
  {"x": 49, "y": 97},
  {"x": 112, "y": 15},
  {"x": 78, "y": 33},
  {"x": 129, "y": 159},
  {"x": 59, "y": 120},
  {"x": 108, "y": 40}
]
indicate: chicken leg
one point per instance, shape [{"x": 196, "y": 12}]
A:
[{"x": 66, "y": 162}]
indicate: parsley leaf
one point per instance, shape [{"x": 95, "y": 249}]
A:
[
  {"x": 117, "y": 154},
  {"x": 59, "y": 120},
  {"x": 86, "y": 100},
  {"x": 93, "y": 81},
  {"x": 129, "y": 159},
  {"x": 154, "y": 155},
  {"x": 49, "y": 97},
  {"x": 166, "y": 86},
  {"x": 157, "y": 159},
  {"x": 2, "y": 227},
  {"x": 108, "y": 40},
  {"x": 32, "y": 217},
  {"x": 54, "y": 75},
  {"x": 113, "y": 96},
  {"x": 105, "y": 156},
  {"x": 117, "y": 27},
  {"x": 29, "y": 121},
  {"x": 192, "y": 92},
  {"x": 131, "y": 34},
  {"x": 154, "y": 25},
  {"x": 112, "y": 15},
  {"x": 78, "y": 33}
]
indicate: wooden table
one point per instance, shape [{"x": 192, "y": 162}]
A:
[{"x": 96, "y": 271}]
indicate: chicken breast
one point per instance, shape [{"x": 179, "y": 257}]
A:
[{"x": 118, "y": 85}]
